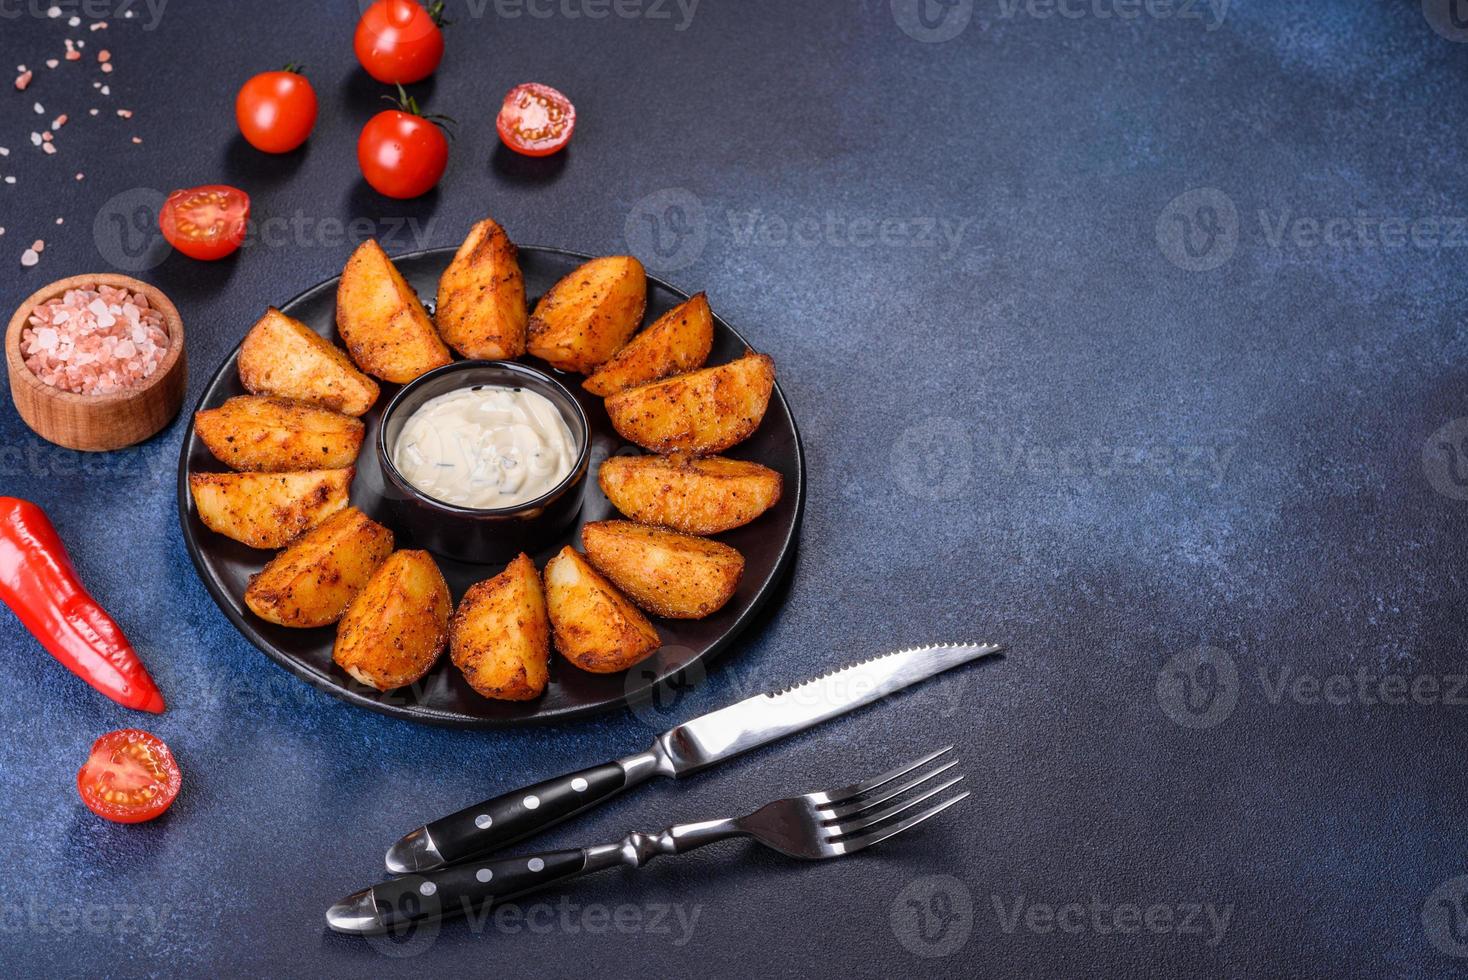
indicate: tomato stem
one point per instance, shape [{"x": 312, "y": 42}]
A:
[
  {"x": 435, "y": 13},
  {"x": 294, "y": 69},
  {"x": 406, "y": 103}
]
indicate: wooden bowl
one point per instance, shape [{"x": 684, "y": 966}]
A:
[{"x": 96, "y": 423}]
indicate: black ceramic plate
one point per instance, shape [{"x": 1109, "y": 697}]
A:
[{"x": 442, "y": 697}]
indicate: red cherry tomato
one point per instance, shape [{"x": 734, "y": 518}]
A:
[
  {"x": 398, "y": 41},
  {"x": 129, "y": 777},
  {"x": 276, "y": 110},
  {"x": 536, "y": 120},
  {"x": 402, "y": 154},
  {"x": 205, "y": 222}
]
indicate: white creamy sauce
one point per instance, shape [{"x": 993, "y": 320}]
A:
[{"x": 485, "y": 446}]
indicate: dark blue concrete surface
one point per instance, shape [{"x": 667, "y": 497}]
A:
[{"x": 1166, "y": 410}]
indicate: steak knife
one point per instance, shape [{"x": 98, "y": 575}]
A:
[{"x": 688, "y": 748}]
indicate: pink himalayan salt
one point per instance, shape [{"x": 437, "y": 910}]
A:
[
  {"x": 95, "y": 341},
  {"x": 22, "y": 81}
]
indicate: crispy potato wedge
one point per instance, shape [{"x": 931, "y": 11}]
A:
[
  {"x": 695, "y": 496},
  {"x": 481, "y": 309},
  {"x": 267, "y": 510},
  {"x": 677, "y": 342},
  {"x": 396, "y": 627},
  {"x": 285, "y": 358},
  {"x": 674, "y": 575},
  {"x": 311, "y": 582},
  {"x": 589, "y": 314},
  {"x": 595, "y": 627},
  {"x": 702, "y": 412},
  {"x": 382, "y": 321},
  {"x": 500, "y": 635},
  {"x": 272, "y": 435}
]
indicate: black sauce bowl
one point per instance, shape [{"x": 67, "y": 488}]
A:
[{"x": 482, "y": 535}]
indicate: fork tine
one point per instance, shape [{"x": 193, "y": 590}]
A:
[
  {"x": 856, "y": 789},
  {"x": 875, "y": 813},
  {"x": 851, "y": 809},
  {"x": 858, "y": 843}
]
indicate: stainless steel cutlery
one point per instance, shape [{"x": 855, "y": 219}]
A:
[
  {"x": 694, "y": 745},
  {"x": 814, "y": 826}
]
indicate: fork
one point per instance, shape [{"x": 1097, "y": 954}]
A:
[{"x": 813, "y": 826}]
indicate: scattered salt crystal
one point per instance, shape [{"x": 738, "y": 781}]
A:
[
  {"x": 9, "y": 180},
  {"x": 20, "y": 69},
  {"x": 61, "y": 221},
  {"x": 39, "y": 245},
  {"x": 128, "y": 14},
  {"x": 106, "y": 90},
  {"x": 96, "y": 85},
  {"x": 104, "y": 55},
  {"x": 46, "y": 137},
  {"x": 100, "y": 25},
  {"x": 80, "y": 176},
  {"x": 22, "y": 81},
  {"x": 52, "y": 62},
  {"x": 92, "y": 111},
  {"x": 40, "y": 110},
  {"x": 74, "y": 22},
  {"x": 29, "y": 258},
  {"x": 73, "y": 55},
  {"x": 2, "y": 231},
  {"x": 53, "y": 12},
  {"x": 48, "y": 148},
  {"x": 4, "y": 151},
  {"x": 125, "y": 113},
  {"x": 106, "y": 68},
  {"x": 137, "y": 139},
  {"x": 35, "y": 139},
  {"x": 59, "y": 121}
]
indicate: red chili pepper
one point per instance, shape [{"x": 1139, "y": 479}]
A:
[{"x": 38, "y": 582}]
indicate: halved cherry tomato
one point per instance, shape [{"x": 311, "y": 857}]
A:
[
  {"x": 398, "y": 41},
  {"x": 205, "y": 222},
  {"x": 276, "y": 110},
  {"x": 536, "y": 120},
  {"x": 402, "y": 152},
  {"x": 129, "y": 777}
]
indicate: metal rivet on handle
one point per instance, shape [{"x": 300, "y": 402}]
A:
[
  {"x": 531, "y": 802},
  {"x": 578, "y": 784},
  {"x": 484, "y": 874},
  {"x": 536, "y": 864},
  {"x": 483, "y": 821}
]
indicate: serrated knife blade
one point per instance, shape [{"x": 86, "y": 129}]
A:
[
  {"x": 689, "y": 747},
  {"x": 718, "y": 735}
]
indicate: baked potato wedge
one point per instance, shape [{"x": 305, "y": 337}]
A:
[
  {"x": 589, "y": 314},
  {"x": 481, "y": 309},
  {"x": 267, "y": 510},
  {"x": 382, "y": 321},
  {"x": 677, "y": 342},
  {"x": 702, "y": 412},
  {"x": 500, "y": 634},
  {"x": 595, "y": 626},
  {"x": 273, "y": 435},
  {"x": 285, "y": 358},
  {"x": 311, "y": 582},
  {"x": 695, "y": 496},
  {"x": 673, "y": 575},
  {"x": 396, "y": 627}
]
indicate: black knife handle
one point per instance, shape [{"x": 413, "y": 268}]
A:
[
  {"x": 514, "y": 816},
  {"x": 472, "y": 887}
]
